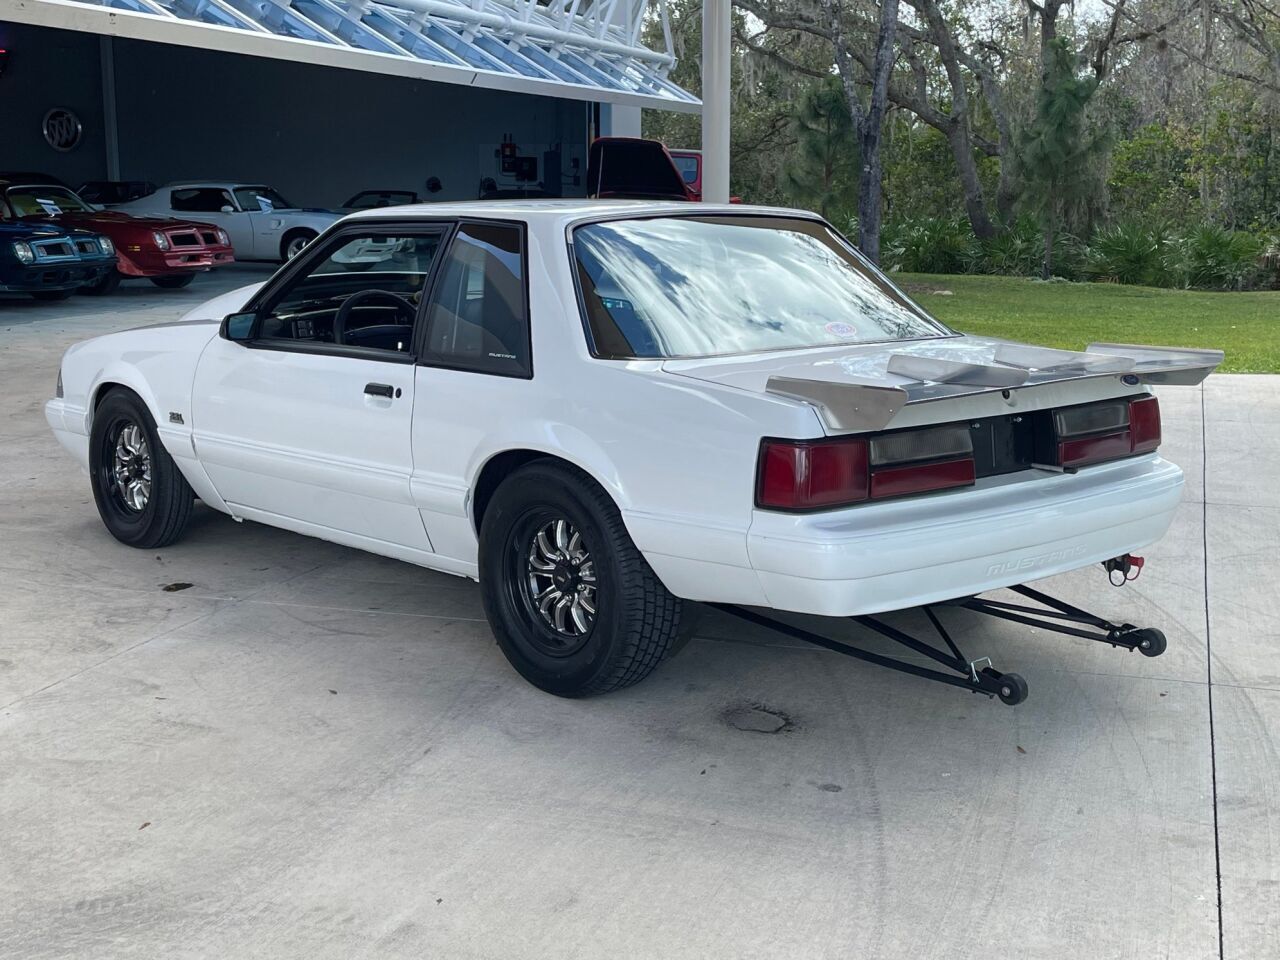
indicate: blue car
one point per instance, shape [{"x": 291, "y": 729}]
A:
[{"x": 50, "y": 262}]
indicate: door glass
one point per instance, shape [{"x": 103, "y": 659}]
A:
[
  {"x": 364, "y": 293},
  {"x": 477, "y": 319}
]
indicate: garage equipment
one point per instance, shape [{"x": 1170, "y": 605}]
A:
[{"x": 979, "y": 675}]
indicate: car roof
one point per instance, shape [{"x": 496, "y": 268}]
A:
[
  {"x": 571, "y": 211},
  {"x": 26, "y": 178}
]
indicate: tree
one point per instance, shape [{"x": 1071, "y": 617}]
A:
[
  {"x": 827, "y": 148},
  {"x": 1059, "y": 156}
]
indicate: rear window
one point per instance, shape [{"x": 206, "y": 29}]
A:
[{"x": 670, "y": 287}]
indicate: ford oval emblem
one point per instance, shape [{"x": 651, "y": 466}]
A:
[
  {"x": 62, "y": 129},
  {"x": 1129, "y": 379}
]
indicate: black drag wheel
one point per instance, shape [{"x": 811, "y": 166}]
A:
[
  {"x": 142, "y": 497},
  {"x": 173, "y": 281},
  {"x": 52, "y": 294},
  {"x": 108, "y": 284},
  {"x": 573, "y": 604},
  {"x": 1013, "y": 689},
  {"x": 1151, "y": 642}
]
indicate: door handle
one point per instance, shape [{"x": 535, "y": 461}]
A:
[{"x": 379, "y": 390}]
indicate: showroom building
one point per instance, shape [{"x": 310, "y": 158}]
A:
[{"x": 323, "y": 98}]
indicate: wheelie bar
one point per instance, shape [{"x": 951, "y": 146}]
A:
[{"x": 978, "y": 676}]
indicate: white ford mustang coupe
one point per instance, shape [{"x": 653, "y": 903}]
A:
[{"x": 603, "y": 410}]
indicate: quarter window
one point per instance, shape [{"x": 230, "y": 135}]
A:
[
  {"x": 200, "y": 199},
  {"x": 364, "y": 293},
  {"x": 477, "y": 318}
]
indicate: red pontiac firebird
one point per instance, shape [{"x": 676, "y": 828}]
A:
[{"x": 167, "y": 252}]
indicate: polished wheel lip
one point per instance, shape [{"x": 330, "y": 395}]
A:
[
  {"x": 560, "y": 582},
  {"x": 295, "y": 247},
  {"x": 131, "y": 467}
]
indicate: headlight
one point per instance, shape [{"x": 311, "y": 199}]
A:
[
  {"x": 223, "y": 238},
  {"x": 161, "y": 240},
  {"x": 23, "y": 252},
  {"x": 58, "y": 392},
  {"x": 108, "y": 247}
]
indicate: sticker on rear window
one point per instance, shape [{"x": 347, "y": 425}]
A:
[{"x": 839, "y": 329}]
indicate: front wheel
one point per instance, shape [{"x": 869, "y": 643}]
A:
[
  {"x": 108, "y": 284},
  {"x": 142, "y": 497},
  {"x": 294, "y": 243},
  {"x": 173, "y": 281},
  {"x": 574, "y": 605}
]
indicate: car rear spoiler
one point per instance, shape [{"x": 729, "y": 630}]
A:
[{"x": 850, "y": 405}]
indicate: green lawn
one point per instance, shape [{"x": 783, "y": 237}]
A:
[{"x": 1069, "y": 315}]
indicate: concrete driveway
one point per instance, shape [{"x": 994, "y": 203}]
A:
[{"x": 311, "y": 752}]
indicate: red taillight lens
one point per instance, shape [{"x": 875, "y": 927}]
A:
[
  {"x": 1144, "y": 424},
  {"x": 802, "y": 476},
  {"x": 1107, "y": 431},
  {"x": 807, "y": 475}
]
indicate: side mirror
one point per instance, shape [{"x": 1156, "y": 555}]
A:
[
  {"x": 238, "y": 327},
  {"x": 227, "y": 208}
]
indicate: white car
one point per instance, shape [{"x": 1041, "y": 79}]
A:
[
  {"x": 261, "y": 223},
  {"x": 602, "y": 410}
]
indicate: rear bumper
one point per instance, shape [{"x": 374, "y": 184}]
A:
[{"x": 898, "y": 554}]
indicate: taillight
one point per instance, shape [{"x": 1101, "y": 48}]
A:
[
  {"x": 809, "y": 475},
  {"x": 1106, "y": 431}
]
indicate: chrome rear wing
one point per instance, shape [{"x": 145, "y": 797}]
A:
[{"x": 853, "y": 405}]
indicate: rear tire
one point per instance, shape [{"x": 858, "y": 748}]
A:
[
  {"x": 108, "y": 284},
  {"x": 173, "y": 281},
  {"x": 142, "y": 497},
  {"x": 609, "y": 621}
]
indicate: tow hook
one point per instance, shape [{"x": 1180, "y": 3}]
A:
[{"x": 1122, "y": 569}]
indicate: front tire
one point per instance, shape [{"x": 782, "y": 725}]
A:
[
  {"x": 108, "y": 284},
  {"x": 142, "y": 497},
  {"x": 294, "y": 242},
  {"x": 575, "y": 607},
  {"x": 173, "y": 281}
]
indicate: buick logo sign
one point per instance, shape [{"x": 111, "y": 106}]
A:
[{"x": 62, "y": 129}]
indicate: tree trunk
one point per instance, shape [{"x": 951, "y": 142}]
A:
[
  {"x": 870, "y": 179},
  {"x": 1047, "y": 271},
  {"x": 975, "y": 204}
]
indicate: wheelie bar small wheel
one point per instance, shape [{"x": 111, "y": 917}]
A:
[
  {"x": 1009, "y": 687},
  {"x": 1149, "y": 641}
]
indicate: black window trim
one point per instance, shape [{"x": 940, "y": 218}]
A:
[
  {"x": 320, "y": 249},
  {"x": 424, "y": 357},
  {"x": 714, "y": 211}
]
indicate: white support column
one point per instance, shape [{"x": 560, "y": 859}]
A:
[{"x": 715, "y": 100}]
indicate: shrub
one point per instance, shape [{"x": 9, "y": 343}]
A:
[
  {"x": 1018, "y": 251},
  {"x": 1126, "y": 253},
  {"x": 928, "y": 246},
  {"x": 1215, "y": 258}
]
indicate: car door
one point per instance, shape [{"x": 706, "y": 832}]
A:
[
  {"x": 475, "y": 368},
  {"x": 302, "y": 408}
]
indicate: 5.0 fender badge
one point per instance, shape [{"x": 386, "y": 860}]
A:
[{"x": 175, "y": 418}]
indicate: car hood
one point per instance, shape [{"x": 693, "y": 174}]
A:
[
  {"x": 868, "y": 386},
  {"x": 111, "y": 218},
  {"x": 29, "y": 230}
]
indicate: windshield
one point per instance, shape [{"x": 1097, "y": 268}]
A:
[
  {"x": 261, "y": 200},
  {"x": 707, "y": 286},
  {"x": 44, "y": 201}
]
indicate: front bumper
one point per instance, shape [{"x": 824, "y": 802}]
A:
[
  {"x": 175, "y": 260},
  {"x": 70, "y": 428},
  {"x": 1011, "y": 529},
  {"x": 60, "y": 275}
]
